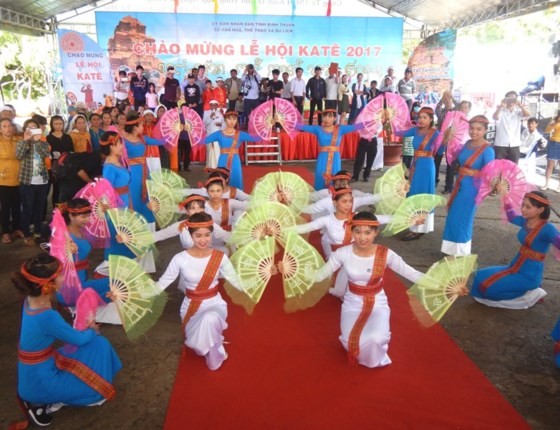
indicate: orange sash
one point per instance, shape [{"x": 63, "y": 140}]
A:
[
  {"x": 466, "y": 170},
  {"x": 232, "y": 150},
  {"x": 76, "y": 368},
  {"x": 420, "y": 152},
  {"x": 374, "y": 286},
  {"x": 225, "y": 214},
  {"x": 142, "y": 162},
  {"x": 345, "y": 242},
  {"x": 331, "y": 149},
  {"x": 81, "y": 264},
  {"x": 525, "y": 253},
  {"x": 203, "y": 290}
]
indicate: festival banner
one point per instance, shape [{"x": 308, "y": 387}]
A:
[
  {"x": 85, "y": 70},
  {"x": 224, "y": 42},
  {"x": 432, "y": 66}
]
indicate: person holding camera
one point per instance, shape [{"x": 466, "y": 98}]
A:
[
  {"x": 251, "y": 80},
  {"x": 33, "y": 178},
  {"x": 509, "y": 116}
]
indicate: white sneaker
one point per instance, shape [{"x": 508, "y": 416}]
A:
[{"x": 53, "y": 407}]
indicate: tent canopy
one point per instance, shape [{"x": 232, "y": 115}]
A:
[{"x": 38, "y": 16}]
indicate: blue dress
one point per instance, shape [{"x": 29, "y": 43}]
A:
[
  {"x": 424, "y": 179},
  {"x": 135, "y": 150},
  {"x": 459, "y": 222},
  {"x": 225, "y": 142},
  {"x": 101, "y": 286},
  {"x": 325, "y": 140},
  {"x": 44, "y": 383},
  {"x": 119, "y": 177},
  {"x": 528, "y": 277}
]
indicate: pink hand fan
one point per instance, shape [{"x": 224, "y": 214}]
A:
[
  {"x": 60, "y": 247},
  {"x": 397, "y": 112},
  {"x": 506, "y": 178},
  {"x": 287, "y": 115},
  {"x": 86, "y": 308},
  {"x": 261, "y": 120},
  {"x": 456, "y": 127},
  {"x": 170, "y": 126},
  {"x": 371, "y": 117},
  {"x": 101, "y": 196}
]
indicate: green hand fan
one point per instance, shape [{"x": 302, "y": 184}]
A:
[
  {"x": 392, "y": 188},
  {"x": 253, "y": 264},
  {"x": 172, "y": 181},
  {"x": 267, "y": 219},
  {"x": 139, "y": 300},
  {"x": 162, "y": 203},
  {"x": 432, "y": 296},
  {"x": 133, "y": 230},
  {"x": 283, "y": 187},
  {"x": 413, "y": 211},
  {"x": 301, "y": 262}
]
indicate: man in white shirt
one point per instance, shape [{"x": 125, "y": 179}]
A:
[
  {"x": 213, "y": 121},
  {"x": 508, "y": 117},
  {"x": 297, "y": 88},
  {"x": 251, "y": 82},
  {"x": 286, "y": 92},
  {"x": 391, "y": 75},
  {"x": 332, "y": 91}
]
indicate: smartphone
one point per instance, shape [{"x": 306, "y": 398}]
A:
[{"x": 35, "y": 131}]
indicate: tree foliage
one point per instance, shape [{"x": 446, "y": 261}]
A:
[{"x": 24, "y": 66}]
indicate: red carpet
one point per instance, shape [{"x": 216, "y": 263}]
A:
[{"x": 289, "y": 371}]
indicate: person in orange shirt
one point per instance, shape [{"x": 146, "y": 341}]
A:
[
  {"x": 80, "y": 134},
  {"x": 220, "y": 93},
  {"x": 10, "y": 202},
  {"x": 207, "y": 95}
]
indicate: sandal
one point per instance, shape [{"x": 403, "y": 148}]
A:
[
  {"x": 18, "y": 234},
  {"x": 6, "y": 238}
]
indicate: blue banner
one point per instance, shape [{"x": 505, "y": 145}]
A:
[
  {"x": 85, "y": 70},
  {"x": 224, "y": 42}
]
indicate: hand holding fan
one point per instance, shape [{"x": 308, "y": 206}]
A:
[
  {"x": 282, "y": 187},
  {"x": 371, "y": 117},
  {"x": 507, "y": 179},
  {"x": 261, "y": 120},
  {"x": 263, "y": 221},
  {"x": 455, "y": 132},
  {"x": 162, "y": 203},
  {"x": 139, "y": 300},
  {"x": 397, "y": 112},
  {"x": 254, "y": 265},
  {"x": 132, "y": 230},
  {"x": 101, "y": 196},
  {"x": 63, "y": 247},
  {"x": 392, "y": 187},
  {"x": 413, "y": 211},
  {"x": 432, "y": 296},
  {"x": 172, "y": 181},
  {"x": 299, "y": 268},
  {"x": 287, "y": 116}
]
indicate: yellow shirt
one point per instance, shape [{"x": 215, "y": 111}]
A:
[
  {"x": 81, "y": 141},
  {"x": 9, "y": 164},
  {"x": 554, "y": 129}
]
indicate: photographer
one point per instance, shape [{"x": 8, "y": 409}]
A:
[
  {"x": 251, "y": 80},
  {"x": 33, "y": 178},
  {"x": 508, "y": 117}
]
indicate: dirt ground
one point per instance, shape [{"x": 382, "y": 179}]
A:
[{"x": 513, "y": 348}]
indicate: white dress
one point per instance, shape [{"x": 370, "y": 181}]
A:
[
  {"x": 213, "y": 121},
  {"x": 219, "y": 236},
  {"x": 235, "y": 208},
  {"x": 203, "y": 332},
  {"x": 332, "y": 233},
  {"x": 374, "y": 339}
]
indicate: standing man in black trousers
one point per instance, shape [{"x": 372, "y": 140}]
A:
[{"x": 316, "y": 91}]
